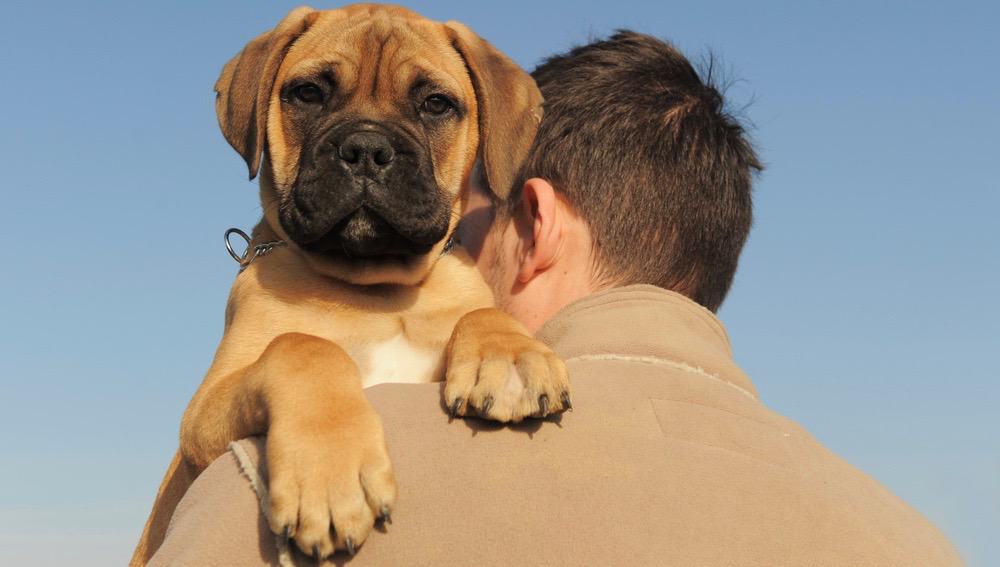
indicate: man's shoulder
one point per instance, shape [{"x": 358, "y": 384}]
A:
[
  {"x": 657, "y": 494},
  {"x": 664, "y": 468}
]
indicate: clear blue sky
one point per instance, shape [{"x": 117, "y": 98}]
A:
[{"x": 865, "y": 307}]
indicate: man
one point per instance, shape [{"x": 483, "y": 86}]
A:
[{"x": 618, "y": 243}]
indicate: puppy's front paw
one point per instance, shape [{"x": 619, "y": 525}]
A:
[
  {"x": 330, "y": 480},
  {"x": 497, "y": 371}
]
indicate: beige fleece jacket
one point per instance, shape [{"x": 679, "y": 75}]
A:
[{"x": 669, "y": 458}]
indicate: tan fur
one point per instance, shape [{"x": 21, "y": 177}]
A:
[{"x": 302, "y": 330}]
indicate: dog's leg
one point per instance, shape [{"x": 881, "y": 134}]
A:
[
  {"x": 175, "y": 483},
  {"x": 498, "y": 371},
  {"x": 329, "y": 472}
]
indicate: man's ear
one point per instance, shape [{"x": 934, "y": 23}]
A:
[
  {"x": 509, "y": 103},
  {"x": 542, "y": 226},
  {"x": 243, "y": 91}
]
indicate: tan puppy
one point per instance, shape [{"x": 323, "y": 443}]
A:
[{"x": 365, "y": 124}]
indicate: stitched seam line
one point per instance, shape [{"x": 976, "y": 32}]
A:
[
  {"x": 730, "y": 451},
  {"x": 251, "y": 473},
  {"x": 664, "y": 362},
  {"x": 721, "y": 410}
]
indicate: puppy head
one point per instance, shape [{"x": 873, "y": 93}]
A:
[{"x": 364, "y": 123}]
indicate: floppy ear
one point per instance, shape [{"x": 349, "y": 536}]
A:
[
  {"x": 243, "y": 91},
  {"x": 510, "y": 106}
]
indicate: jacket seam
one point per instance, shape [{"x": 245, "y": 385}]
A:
[{"x": 657, "y": 361}]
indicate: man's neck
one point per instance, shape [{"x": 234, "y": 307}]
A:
[
  {"x": 567, "y": 277},
  {"x": 538, "y": 301}
]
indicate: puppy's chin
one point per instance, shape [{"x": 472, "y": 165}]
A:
[
  {"x": 406, "y": 271},
  {"x": 391, "y": 270}
]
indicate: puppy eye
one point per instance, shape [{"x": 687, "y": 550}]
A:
[
  {"x": 308, "y": 93},
  {"x": 437, "y": 104}
]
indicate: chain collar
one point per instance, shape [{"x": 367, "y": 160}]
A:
[{"x": 253, "y": 252}]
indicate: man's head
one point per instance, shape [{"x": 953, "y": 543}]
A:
[{"x": 636, "y": 156}]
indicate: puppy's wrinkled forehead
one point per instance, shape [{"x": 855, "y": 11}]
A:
[{"x": 375, "y": 58}]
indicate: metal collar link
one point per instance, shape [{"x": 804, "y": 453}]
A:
[{"x": 251, "y": 253}]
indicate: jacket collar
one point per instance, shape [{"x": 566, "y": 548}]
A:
[{"x": 644, "y": 322}]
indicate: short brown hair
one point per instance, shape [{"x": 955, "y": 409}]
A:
[{"x": 646, "y": 153}]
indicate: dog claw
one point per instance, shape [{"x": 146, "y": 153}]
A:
[
  {"x": 349, "y": 542},
  {"x": 316, "y": 554},
  {"x": 288, "y": 533},
  {"x": 567, "y": 404},
  {"x": 487, "y": 404},
  {"x": 455, "y": 406},
  {"x": 385, "y": 515},
  {"x": 543, "y": 405}
]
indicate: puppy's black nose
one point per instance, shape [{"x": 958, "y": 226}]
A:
[{"x": 366, "y": 150}]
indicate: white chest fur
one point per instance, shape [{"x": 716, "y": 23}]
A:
[{"x": 397, "y": 360}]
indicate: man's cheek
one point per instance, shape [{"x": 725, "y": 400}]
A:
[
  {"x": 488, "y": 259},
  {"x": 474, "y": 229}
]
